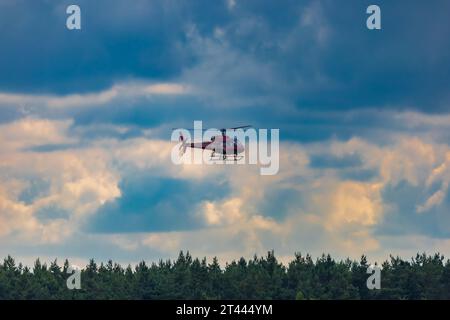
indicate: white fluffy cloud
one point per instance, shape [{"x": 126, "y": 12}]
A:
[{"x": 76, "y": 181}]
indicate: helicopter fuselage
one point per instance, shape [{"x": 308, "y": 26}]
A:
[{"x": 220, "y": 144}]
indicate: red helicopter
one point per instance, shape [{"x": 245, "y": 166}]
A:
[{"x": 222, "y": 144}]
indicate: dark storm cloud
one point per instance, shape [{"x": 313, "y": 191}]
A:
[
  {"x": 310, "y": 54},
  {"x": 117, "y": 40}
]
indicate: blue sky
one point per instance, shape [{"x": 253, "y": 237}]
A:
[{"x": 85, "y": 120}]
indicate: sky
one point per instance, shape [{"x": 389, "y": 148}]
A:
[{"x": 86, "y": 118}]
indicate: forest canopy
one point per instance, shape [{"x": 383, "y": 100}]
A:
[{"x": 422, "y": 277}]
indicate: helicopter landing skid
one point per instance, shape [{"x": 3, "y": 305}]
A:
[{"x": 228, "y": 157}]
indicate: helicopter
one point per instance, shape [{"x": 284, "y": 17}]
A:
[{"x": 224, "y": 146}]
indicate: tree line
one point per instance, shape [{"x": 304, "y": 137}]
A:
[{"x": 422, "y": 277}]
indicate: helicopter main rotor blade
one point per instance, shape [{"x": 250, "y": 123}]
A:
[
  {"x": 241, "y": 127},
  {"x": 222, "y": 129},
  {"x": 189, "y": 129}
]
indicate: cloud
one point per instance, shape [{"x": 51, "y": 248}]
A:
[
  {"x": 148, "y": 203},
  {"x": 434, "y": 200},
  {"x": 231, "y": 4},
  {"x": 440, "y": 174},
  {"x": 355, "y": 202},
  {"x": 119, "y": 91},
  {"x": 308, "y": 57},
  {"x": 128, "y": 191},
  {"x": 76, "y": 182},
  {"x": 29, "y": 132}
]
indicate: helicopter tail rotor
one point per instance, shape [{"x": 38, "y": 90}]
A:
[{"x": 183, "y": 145}]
